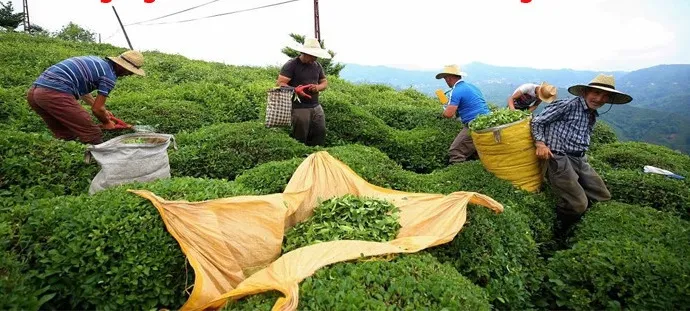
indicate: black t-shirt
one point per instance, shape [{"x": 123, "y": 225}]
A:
[{"x": 301, "y": 74}]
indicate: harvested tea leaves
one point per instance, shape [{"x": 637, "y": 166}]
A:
[{"x": 346, "y": 218}]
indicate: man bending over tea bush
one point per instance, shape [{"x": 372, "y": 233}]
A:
[
  {"x": 562, "y": 135},
  {"x": 306, "y": 75},
  {"x": 466, "y": 103},
  {"x": 54, "y": 94}
]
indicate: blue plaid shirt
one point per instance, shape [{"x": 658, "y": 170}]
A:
[{"x": 565, "y": 125}]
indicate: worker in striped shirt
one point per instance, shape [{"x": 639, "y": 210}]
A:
[
  {"x": 562, "y": 135},
  {"x": 54, "y": 94}
]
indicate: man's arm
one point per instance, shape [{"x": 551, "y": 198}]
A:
[
  {"x": 323, "y": 84},
  {"x": 450, "y": 111},
  {"x": 283, "y": 80},
  {"x": 512, "y": 98},
  {"x": 88, "y": 98},
  {"x": 536, "y": 104},
  {"x": 98, "y": 109},
  {"x": 549, "y": 115}
]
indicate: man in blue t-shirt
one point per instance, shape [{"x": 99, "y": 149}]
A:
[
  {"x": 54, "y": 95},
  {"x": 466, "y": 103}
]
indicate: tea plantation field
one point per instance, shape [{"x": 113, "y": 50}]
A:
[{"x": 63, "y": 249}]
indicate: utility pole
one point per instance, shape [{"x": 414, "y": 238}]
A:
[
  {"x": 27, "y": 24},
  {"x": 123, "y": 28},
  {"x": 317, "y": 29}
]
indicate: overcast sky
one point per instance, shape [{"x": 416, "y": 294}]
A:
[{"x": 576, "y": 34}]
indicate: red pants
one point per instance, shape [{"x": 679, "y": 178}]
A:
[{"x": 64, "y": 116}]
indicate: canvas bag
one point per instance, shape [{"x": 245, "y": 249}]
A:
[
  {"x": 122, "y": 160},
  {"x": 279, "y": 106}
]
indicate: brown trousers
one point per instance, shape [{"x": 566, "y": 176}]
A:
[
  {"x": 575, "y": 182},
  {"x": 462, "y": 148},
  {"x": 309, "y": 125},
  {"x": 64, "y": 116}
]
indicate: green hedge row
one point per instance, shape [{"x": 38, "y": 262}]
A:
[
  {"x": 409, "y": 282},
  {"x": 225, "y": 150},
  {"x": 31, "y": 160},
  {"x": 109, "y": 251},
  {"x": 624, "y": 257},
  {"x": 635, "y": 155},
  {"x": 659, "y": 192}
]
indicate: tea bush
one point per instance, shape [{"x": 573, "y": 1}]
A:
[
  {"x": 409, "y": 282},
  {"x": 635, "y": 155},
  {"x": 619, "y": 274},
  {"x": 498, "y": 253},
  {"x": 38, "y": 160},
  {"x": 624, "y": 257},
  {"x": 111, "y": 250},
  {"x": 226, "y": 150},
  {"x": 619, "y": 221},
  {"x": 659, "y": 192}
]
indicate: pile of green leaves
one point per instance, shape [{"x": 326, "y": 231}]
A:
[
  {"x": 409, "y": 282},
  {"x": 346, "y": 218},
  {"x": 496, "y": 118}
]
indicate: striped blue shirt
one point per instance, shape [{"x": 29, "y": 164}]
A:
[
  {"x": 565, "y": 125},
  {"x": 79, "y": 76},
  {"x": 470, "y": 101}
]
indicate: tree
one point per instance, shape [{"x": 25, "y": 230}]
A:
[
  {"x": 74, "y": 32},
  {"x": 8, "y": 19},
  {"x": 38, "y": 30},
  {"x": 328, "y": 65}
]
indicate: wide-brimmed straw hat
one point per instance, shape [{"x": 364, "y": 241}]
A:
[
  {"x": 606, "y": 83},
  {"x": 450, "y": 70},
  {"x": 130, "y": 60},
  {"x": 547, "y": 92},
  {"x": 312, "y": 47}
]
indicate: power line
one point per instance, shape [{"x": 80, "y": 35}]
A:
[
  {"x": 174, "y": 13},
  {"x": 221, "y": 14}
]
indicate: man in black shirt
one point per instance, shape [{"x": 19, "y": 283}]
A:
[{"x": 304, "y": 73}]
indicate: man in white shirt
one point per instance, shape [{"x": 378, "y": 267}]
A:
[{"x": 530, "y": 95}]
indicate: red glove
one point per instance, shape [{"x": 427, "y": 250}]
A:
[
  {"x": 300, "y": 91},
  {"x": 119, "y": 124}
]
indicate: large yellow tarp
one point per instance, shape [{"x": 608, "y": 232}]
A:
[
  {"x": 234, "y": 244},
  {"x": 508, "y": 152}
]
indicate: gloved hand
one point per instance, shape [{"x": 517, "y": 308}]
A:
[{"x": 300, "y": 91}]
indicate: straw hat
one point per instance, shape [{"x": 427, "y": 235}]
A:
[
  {"x": 602, "y": 82},
  {"x": 547, "y": 92},
  {"x": 450, "y": 70},
  {"x": 312, "y": 47},
  {"x": 130, "y": 60}
]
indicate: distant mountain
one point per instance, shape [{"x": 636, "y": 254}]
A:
[
  {"x": 659, "y": 114},
  {"x": 663, "y": 88}
]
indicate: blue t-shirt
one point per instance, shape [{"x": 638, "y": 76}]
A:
[
  {"x": 79, "y": 76},
  {"x": 470, "y": 101}
]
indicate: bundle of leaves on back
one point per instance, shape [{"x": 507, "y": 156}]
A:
[
  {"x": 346, "y": 218},
  {"x": 496, "y": 118}
]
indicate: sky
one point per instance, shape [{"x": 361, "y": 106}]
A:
[{"x": 602, "y": 35}]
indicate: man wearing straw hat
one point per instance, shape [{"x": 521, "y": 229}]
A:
[
  {"x": 306, "y": 75},
  {"x": 529, "y": 95},
  {"x": 562, "y": 135},
  {"x": 466, "y": 102},
  {"x": 54, "y": 94}
]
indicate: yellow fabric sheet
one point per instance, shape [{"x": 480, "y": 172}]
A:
[
  {"x": 509, "y": 153},
  {"x": 227, "y": 239}
]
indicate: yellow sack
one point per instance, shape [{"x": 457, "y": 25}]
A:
[
  {"x": 227, "y": 239},
  {"x": 508, "y": 152}
]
